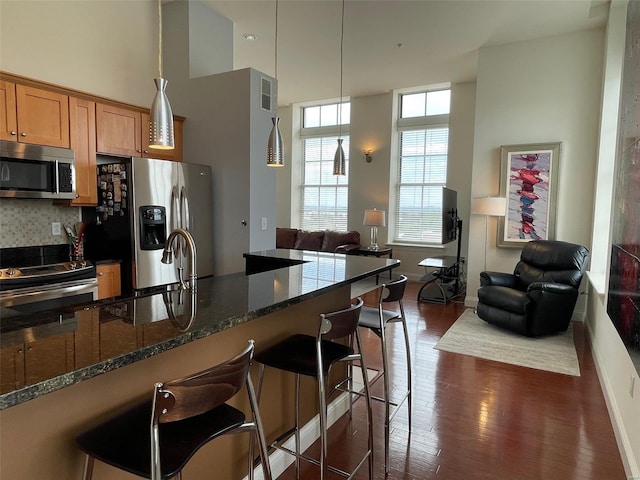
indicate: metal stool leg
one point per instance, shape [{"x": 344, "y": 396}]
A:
[
  {"x": 385, "y": 380},
  {"x": 87, "y": 474},
  {"x": 408, "y": 353},
  {"x": 297, "y": 426},
  {"x": 367, "y": 396},
  {"x": 324, "y": 447}
]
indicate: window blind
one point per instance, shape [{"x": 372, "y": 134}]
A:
[
  {"x": 422, "y": 174},
  {"x": 324, "y": 195}
]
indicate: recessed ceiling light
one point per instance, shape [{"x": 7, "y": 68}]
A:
[{"x": 249, "y": 36}]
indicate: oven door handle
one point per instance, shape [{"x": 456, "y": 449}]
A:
[{"x": 23, "y": 296}]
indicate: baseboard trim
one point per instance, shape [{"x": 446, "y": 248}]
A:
[{"x": 309, "y": 433}]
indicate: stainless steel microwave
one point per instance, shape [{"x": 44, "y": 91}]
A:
[{"x": 36, "y": 171}]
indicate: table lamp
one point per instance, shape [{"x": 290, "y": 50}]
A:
[{"x": 374, "y": 219}]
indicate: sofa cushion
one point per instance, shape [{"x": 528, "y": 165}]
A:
[
  {"x": 333, "y": 240},
  {"x": 308, "y": 240},
  {"x": 286, "y": 237}
]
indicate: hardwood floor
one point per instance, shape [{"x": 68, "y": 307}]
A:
[{"x": 479, "y": 419}]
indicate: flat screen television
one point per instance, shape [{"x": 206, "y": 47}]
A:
[{"x": 449, "y": 215}]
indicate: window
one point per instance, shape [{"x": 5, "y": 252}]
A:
[
  {"x": 422, "y": 167},
  {"x": 324, "y": 195}
]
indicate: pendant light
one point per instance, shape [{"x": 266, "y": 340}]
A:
[
  {"x": 160, "y": 116},
  {"x": 339, "y": 163},
  {"x": 275, "y": 154}
]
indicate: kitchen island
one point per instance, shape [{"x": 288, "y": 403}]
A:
[{"x": 69, "y": 375}]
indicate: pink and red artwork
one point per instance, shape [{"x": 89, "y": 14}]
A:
[{"x": 529, "y": 187}]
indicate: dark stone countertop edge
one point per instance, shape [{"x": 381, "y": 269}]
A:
[{"x": 30, "y": 392}]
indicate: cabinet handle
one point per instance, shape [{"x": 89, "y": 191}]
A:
[
  {"x": 100, "y": 274},
  {"x": 23, "y": 134},
  {"x": 13, "y": 132}
]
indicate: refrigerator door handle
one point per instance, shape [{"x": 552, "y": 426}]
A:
[
  {"x": 176, "y": 222},
  {"x": 185, "y": 216}
]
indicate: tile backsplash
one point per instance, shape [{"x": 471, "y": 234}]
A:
[{"x": 27, "y": 222}]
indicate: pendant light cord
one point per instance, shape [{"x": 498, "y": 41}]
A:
[
  {"x": 160, "y": 38},
  {"x": 276, "y": 40},
  {"x": 341, "y": 62}
]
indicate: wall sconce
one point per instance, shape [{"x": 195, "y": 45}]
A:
[{"x": 367, "y": 155}]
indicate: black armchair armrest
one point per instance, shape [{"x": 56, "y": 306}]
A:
[
  {"x": 537, "y": 290},
  {"x": 498, "y": 279}
]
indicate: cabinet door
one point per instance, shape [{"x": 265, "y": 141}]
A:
[
  {"x": 43, "y": 117},
  {"x": 118, "y": 131},
  {"x": 174, "y": 154},
  {"x": 87, "y": 338},
  {"x": 108, "y": 280},
  {"x": 82, "y": 117},
  {"x": 11, "y": 368},
  {"x": 8, "y": 119},
  {"x": 48, "y": 357}
]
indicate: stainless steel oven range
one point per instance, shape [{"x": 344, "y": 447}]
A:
[{"x": 30, "y": 285}]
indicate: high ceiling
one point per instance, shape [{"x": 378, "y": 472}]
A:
[{"x": 388, "y": 44}]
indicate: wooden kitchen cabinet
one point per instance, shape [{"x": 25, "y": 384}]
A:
[
  {"x": 108, "y": 280},
  {"x": 82, "y": 120},
  {"x": 11, "y": 368},
  {"x": 174, "y": 154},
  {"x": 48, "y": 357},
  {"x": 118, "y": 131},
  {"x": 121, "y": 131},
  {"x": 87, "y": 337},
  {"x": 32, "y": 115},
  {"x": 8, "y": 111}
]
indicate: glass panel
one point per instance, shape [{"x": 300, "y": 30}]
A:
[
  {"x": 311, "y": 117},
  {"x": 345, "y": 119},
  {"x": 413, "y": 105},
  {"x": 438, "y": 103},
  {"x": 329, "y": 115}
]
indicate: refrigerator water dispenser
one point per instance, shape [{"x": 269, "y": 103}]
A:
[{"x": 153, "y": 227}]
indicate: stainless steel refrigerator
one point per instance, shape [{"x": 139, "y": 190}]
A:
[{"x": 140, "y": 202}]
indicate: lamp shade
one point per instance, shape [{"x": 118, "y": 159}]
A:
[
  {"x": 339, "y": 162},
  {"x": 161, "y": 118},
  {"x": 374, "y": 218},
  {"x": 490, "y": 206},
  {"x": 275, "y": 155}
]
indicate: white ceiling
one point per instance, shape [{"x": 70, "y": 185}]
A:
[{"x": 388, "y": 44}]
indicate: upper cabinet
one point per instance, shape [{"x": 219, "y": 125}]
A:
[
  {"x": 118, "y": 131},
  {"x": 8, "y": 117},
  {"x": 32, "y": 115},
  {"x": 122, "y": 131},
  {"x": 82, "y": 120}
]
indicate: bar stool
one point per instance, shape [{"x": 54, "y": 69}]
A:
[
  {"x": 377, "y": 319},
  {"x": 155, "y": 439},
  {"x": 314, "y": 357}
]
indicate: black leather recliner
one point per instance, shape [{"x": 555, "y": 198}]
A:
[{"x": 540, "y": 295}]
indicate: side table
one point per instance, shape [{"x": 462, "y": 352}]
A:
[
  {"x": 445, "y": 276},
  {"x": 370, "y": 252}
]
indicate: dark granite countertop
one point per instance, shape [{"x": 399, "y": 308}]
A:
[{"x": 52, "y": 350}]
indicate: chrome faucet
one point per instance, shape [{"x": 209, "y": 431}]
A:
[{"x": 167, "y": 256}]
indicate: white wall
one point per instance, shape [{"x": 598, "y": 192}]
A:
[
  {"x": 104, "y": 48},
  {"x": 545, "y": 90}
]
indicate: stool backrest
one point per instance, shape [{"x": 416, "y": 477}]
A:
[
  {"x": 392, "y": 291},
  {"x": 203, "y": 391},
  {"x": 341, "y": 323}
]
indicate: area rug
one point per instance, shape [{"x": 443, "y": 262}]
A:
[{"x": 470, "y": 335}]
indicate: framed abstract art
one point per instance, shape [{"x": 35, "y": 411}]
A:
[{"x": 528, "y": 182}]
